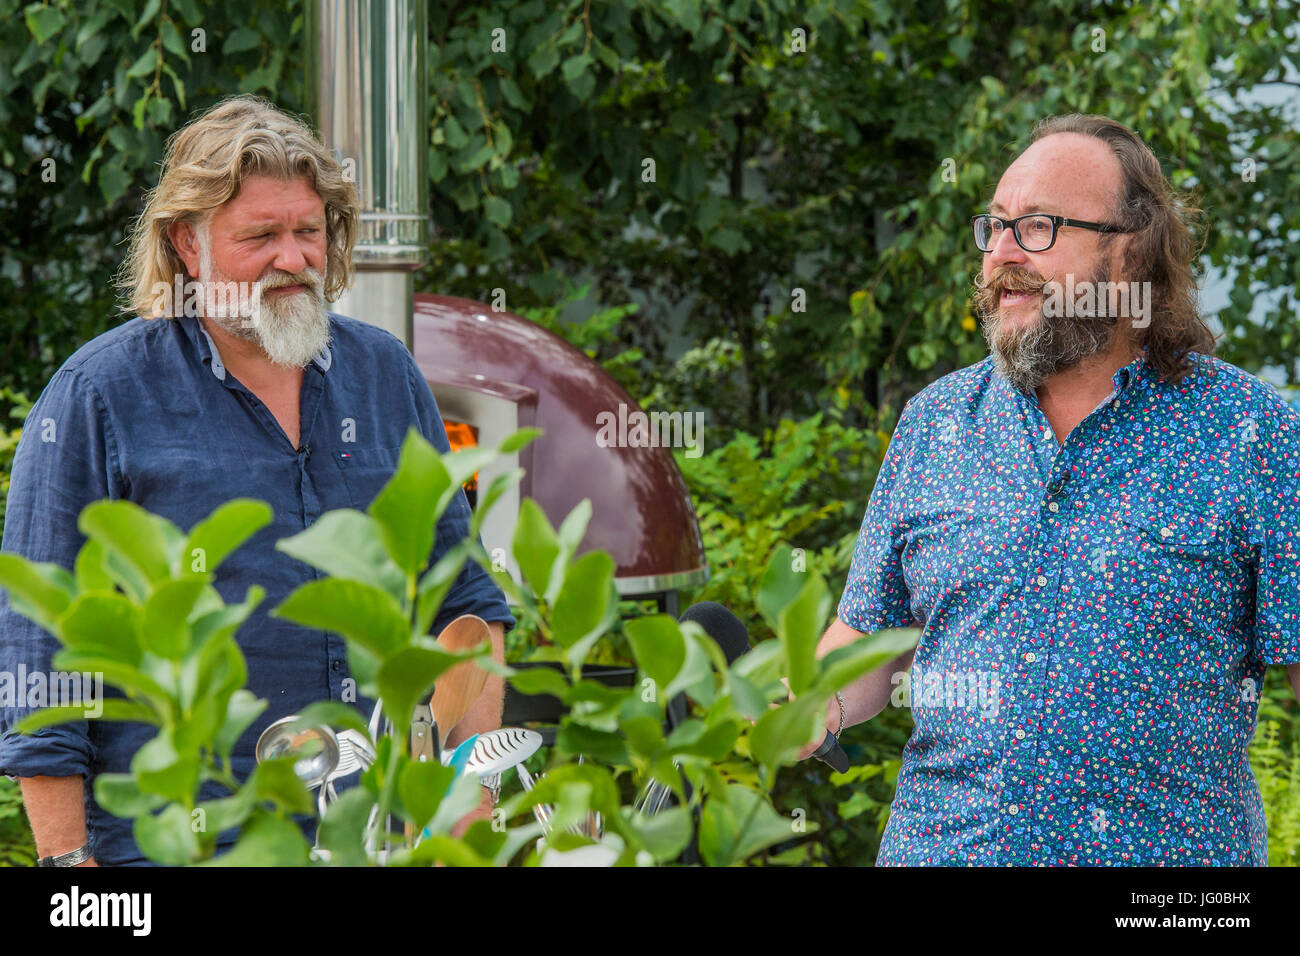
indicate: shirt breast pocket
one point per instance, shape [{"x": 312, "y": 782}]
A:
[
  {"x": 1178, "y": 561},
  {"x": 366, "y": 471}
]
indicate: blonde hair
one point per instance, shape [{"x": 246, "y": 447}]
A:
[{"x": 203, "y": 167}]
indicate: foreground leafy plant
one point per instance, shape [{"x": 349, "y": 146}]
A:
[{"x": 140, "y": 609}]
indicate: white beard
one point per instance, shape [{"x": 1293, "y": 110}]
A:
[{"x": 291, "y": 329}]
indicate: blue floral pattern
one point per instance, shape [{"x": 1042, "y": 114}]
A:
[{"x": 1097, "y": 616}]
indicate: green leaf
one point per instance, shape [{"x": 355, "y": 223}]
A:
[
  {"x": 213, "y": 539},
  {"x": 543, "y": 60},
  {"x": 333, "y": 713},
  {"x": 519, "y": 439},
  {"x": 167, "y": 837},
  {"x": 242, "y": 709},
  {"x": 421, "y": 787},
  {"x": 245, "y": 38},
  {"x": 224, "y": 620},
  {"x": 134, "y": 543},
  {"x": 574, "y": 526},
  {"x": 748, "y": 698},
  {"x": 844, "y": 665},
  {"x": 104, "y": 623},
  {"x": 266, "y": 840},
  {"x": 146, "y": 16},
  {"x": 737, "y": 824},
  {"x": 89, "y": 568},
  {"x": 800, "y": 627},
  {"x": 118, "y": 794},
  {"x": 532, "y": 681},
  {"x": 605, "y": 746},
  {"x": 437, "y": 581},
  {"x": 575, "y": 66},
  {"x": 43, "y": 21},
  {"x": 347, "y": 544},
  {"x": 132, "y": 681},
  {"x": 536, "y": 547},
  {"x": 40, "y": 592},
  {"x": 779, "y": 734},
  {"x": 658, "y": 646},
  {"x": 113, "y": 181},
  {"x": 583, "y": 604},
  {"x": 664, "y": 835},
  {"x": 488, "y": 498},
  {"x": 171, "y": 38},
  {"x": 112, "y": 709},
  {"x": 164, "y": 626},
  {"x": 407, "y": 678},
  {"x": 342, "y": 831},
  {"x": 408, "y": 507},
  {"x": 226, "y": 813},
  {"x": 498, "y": 210},
  {"x": 779, "y": 585},
  {"x": 371, "y": 617},
  {"x": 158, "y": 768},
  {"x": 146, "y": 64},
  {"x": 275, "y": 780},
  {"x": 92, "y": 26}
]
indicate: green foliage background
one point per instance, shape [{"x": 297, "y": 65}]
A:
[{"x": 799, "y": 264}]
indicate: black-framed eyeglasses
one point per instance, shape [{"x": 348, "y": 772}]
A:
[{"x": 1035, "y": 232}]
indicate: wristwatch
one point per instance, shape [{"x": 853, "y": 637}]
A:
[
  {"x": 71, "y": 858},
  {"x": 492, "y": 784}
]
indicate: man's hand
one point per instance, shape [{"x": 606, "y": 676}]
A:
[
  {"x": 482, "y": 812},
  {"x": 824, "y": 723}
]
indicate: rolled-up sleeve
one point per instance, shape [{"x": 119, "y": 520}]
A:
[
  {"x": 64, "y": 461},
  {"x": 875, "y": 594},
  {"x": 1277, "y": 523},
  {"x": 474, "y": 591}
]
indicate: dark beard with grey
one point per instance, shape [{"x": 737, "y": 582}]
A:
[{"x": 1027, "y": 356}]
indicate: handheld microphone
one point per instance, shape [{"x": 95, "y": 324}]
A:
[
  {"x": 832, "y": 754},
  {"x": 727, "y": 630},
  {"x": 732, "y": 636}
]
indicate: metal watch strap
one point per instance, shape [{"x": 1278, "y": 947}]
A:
[
  {"x": 80, "y": 855},
  {"x": 491, "y": 782}
]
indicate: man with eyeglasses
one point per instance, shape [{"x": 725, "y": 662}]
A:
[{"x": 1098, "y": 528}]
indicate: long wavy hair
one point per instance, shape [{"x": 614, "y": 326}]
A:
[
  {"x": 203, "y": 167},
  {"x": 1162, "y": 248}
]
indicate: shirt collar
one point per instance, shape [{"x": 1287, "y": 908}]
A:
[
  {"x": 208, "y": 352},
  {"x": 1133, "y": 371}
]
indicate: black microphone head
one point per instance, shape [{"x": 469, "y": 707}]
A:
[{"x": 720, "y": 624}]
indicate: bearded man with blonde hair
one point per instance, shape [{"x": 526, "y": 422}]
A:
[{"x": 232, "y": 380}]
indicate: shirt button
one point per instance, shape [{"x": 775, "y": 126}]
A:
[
  {"x": 1020, "y": 735},
  {"x": 1041, "y": 581},
  {"x": 1053, "y": 507},
  {"x": 1031, "y": 657},
  {"x": 1013, "y": 809},
  {"x": 1166, "y": 532},
  {"x": 336, "y": 666}
]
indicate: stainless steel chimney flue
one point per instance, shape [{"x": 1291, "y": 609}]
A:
[{"x": 366, "y": 78}]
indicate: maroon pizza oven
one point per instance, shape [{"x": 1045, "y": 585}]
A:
[{"x": 494, "y": 372}]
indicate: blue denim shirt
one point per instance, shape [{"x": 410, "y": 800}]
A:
[
  {"x": 147, "y": 413},
  {"x": 1097, "y": 616}
]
